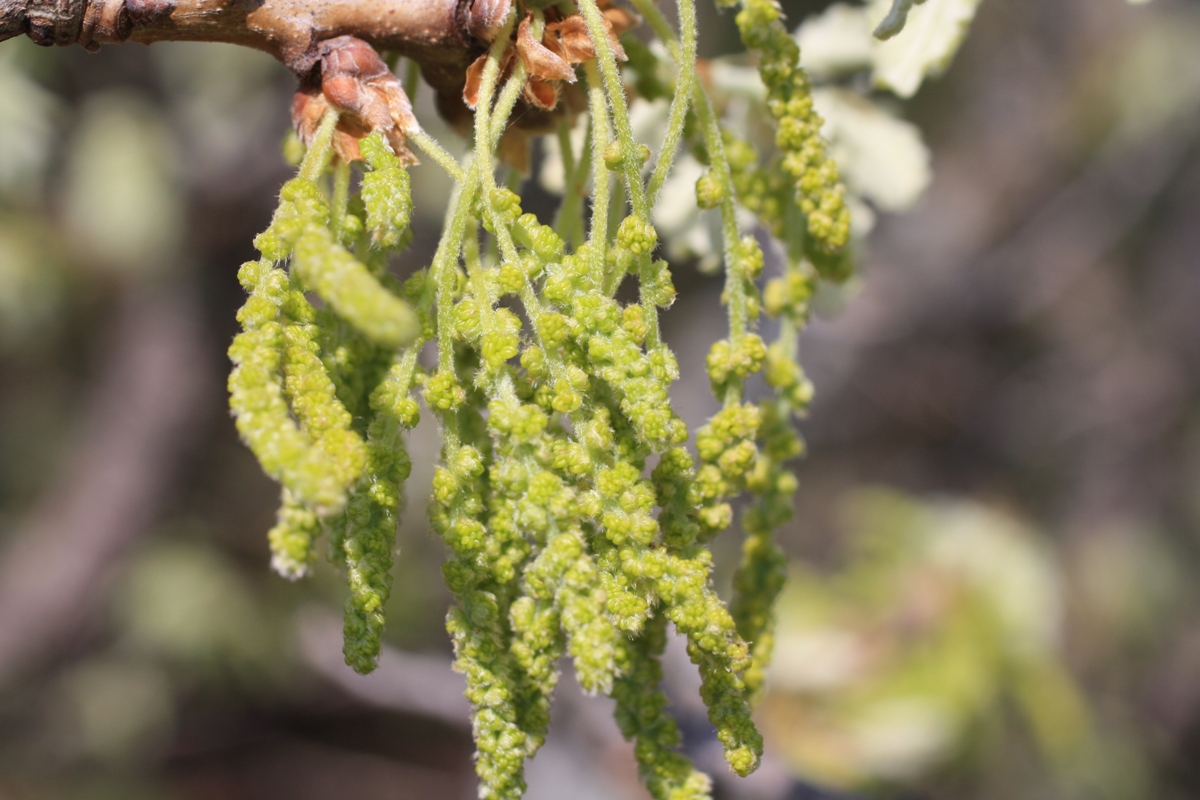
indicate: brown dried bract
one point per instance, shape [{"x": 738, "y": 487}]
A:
[
  {"x": 355, "y": 81},
  {"x": 569, "y": 38},
  {"x": 540, "y": 60},
  {"x": 619, "y": 18},
  {"x": 564, "y": 42}
]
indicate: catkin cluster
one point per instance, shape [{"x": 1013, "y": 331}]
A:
[
  {"x": 802, "y": 168},
  {"x": 322, "y": 397},
  {"x": 575, "y": 505}
]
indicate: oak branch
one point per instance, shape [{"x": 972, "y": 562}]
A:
[
  {"x": 443, "y": 36},
  {"x": 331, "y": 45}
]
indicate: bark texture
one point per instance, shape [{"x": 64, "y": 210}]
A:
[{"x": 443, "y": 36}]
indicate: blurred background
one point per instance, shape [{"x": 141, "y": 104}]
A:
[{"x": 997, "y": 529}]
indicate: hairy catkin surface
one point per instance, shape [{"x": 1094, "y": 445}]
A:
[{"x": 553, "y": 398}]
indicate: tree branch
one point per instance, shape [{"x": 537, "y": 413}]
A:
[{"x": 443, "y": 36}]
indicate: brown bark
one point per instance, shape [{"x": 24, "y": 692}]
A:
[
  {"x": 332, "y": 46},
  {"x": 139, "y": 423},
  {"x": 443, "y": 36}
]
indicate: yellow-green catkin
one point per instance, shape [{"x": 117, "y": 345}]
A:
[
  {"x": 386, "y": 195},
  {"x": 275, "y": 384},
  {"x": 643, "y": 718},
  {"x": 312, "y": 390},
  {"x": 293, "y": 538},
  {"x": 551, "y": 389},
  {"x": 312, "y": 395},
  {"x": 818, "y": 189},
  {"x": 763, "y": 569},
  {"x": 351, "y": 290}
]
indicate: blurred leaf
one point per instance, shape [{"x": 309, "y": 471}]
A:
[
  {"x": 183, "y": 602},
  {"x": 882, "y": 158},
  {"x": 221, "y": 102},
  {"x": 899, "y": 738},
  {"x": 1127, "y": 582},
  {"x": 28, "y": 122},
  {"x": 925, "y": 47},
  {"x": 120, "y": 706},
  {"x": 31, "y": 280},
  {"x": 1154, "y": 79},
  {"x": 122, "y": 207},
  {"x": 835, "y": 42},
  {"x": 944, "y": 612}
]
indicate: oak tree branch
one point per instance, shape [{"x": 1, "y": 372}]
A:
[{"x": 443, "y": 36}]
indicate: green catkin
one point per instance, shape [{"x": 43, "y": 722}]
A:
[
  {"x": 354, "y": 363},
  {"x": 818, "y": 189},
  {"x": 480, "y": 633},
  {"x": 369, "y": 527},
  {"x": 351, "y": 290},
  {"x": 479, "y": 624},
  {"x": 593, "y": 638},
  {"x": 552, "y": 392},
  {"x": 643, "y": 718},
  {"x": 763, "y": 569},
  {"x": 503, "y": 652},
  {"x": 386, "y": 195},
  {"x": 293, "y": 539}
]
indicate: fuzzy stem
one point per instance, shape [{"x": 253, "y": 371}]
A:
[
  {"x": 736, "y": 296},
  {"x": 439, "y": 154},
  {"x": 630, "y": 157},
  {"x": 316, "y": 158},
  {"x": 568, "y": 221},
  {"x": 601, "y": 186},
  {"x": 455, "y": 229},
  {"x": 685, "y": 79},
  {"x": 658, "y": 23}
]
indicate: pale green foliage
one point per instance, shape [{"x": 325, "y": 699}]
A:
[
  {"x": 840, "y": 40},
  {"x": 907, "y": 707}
]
